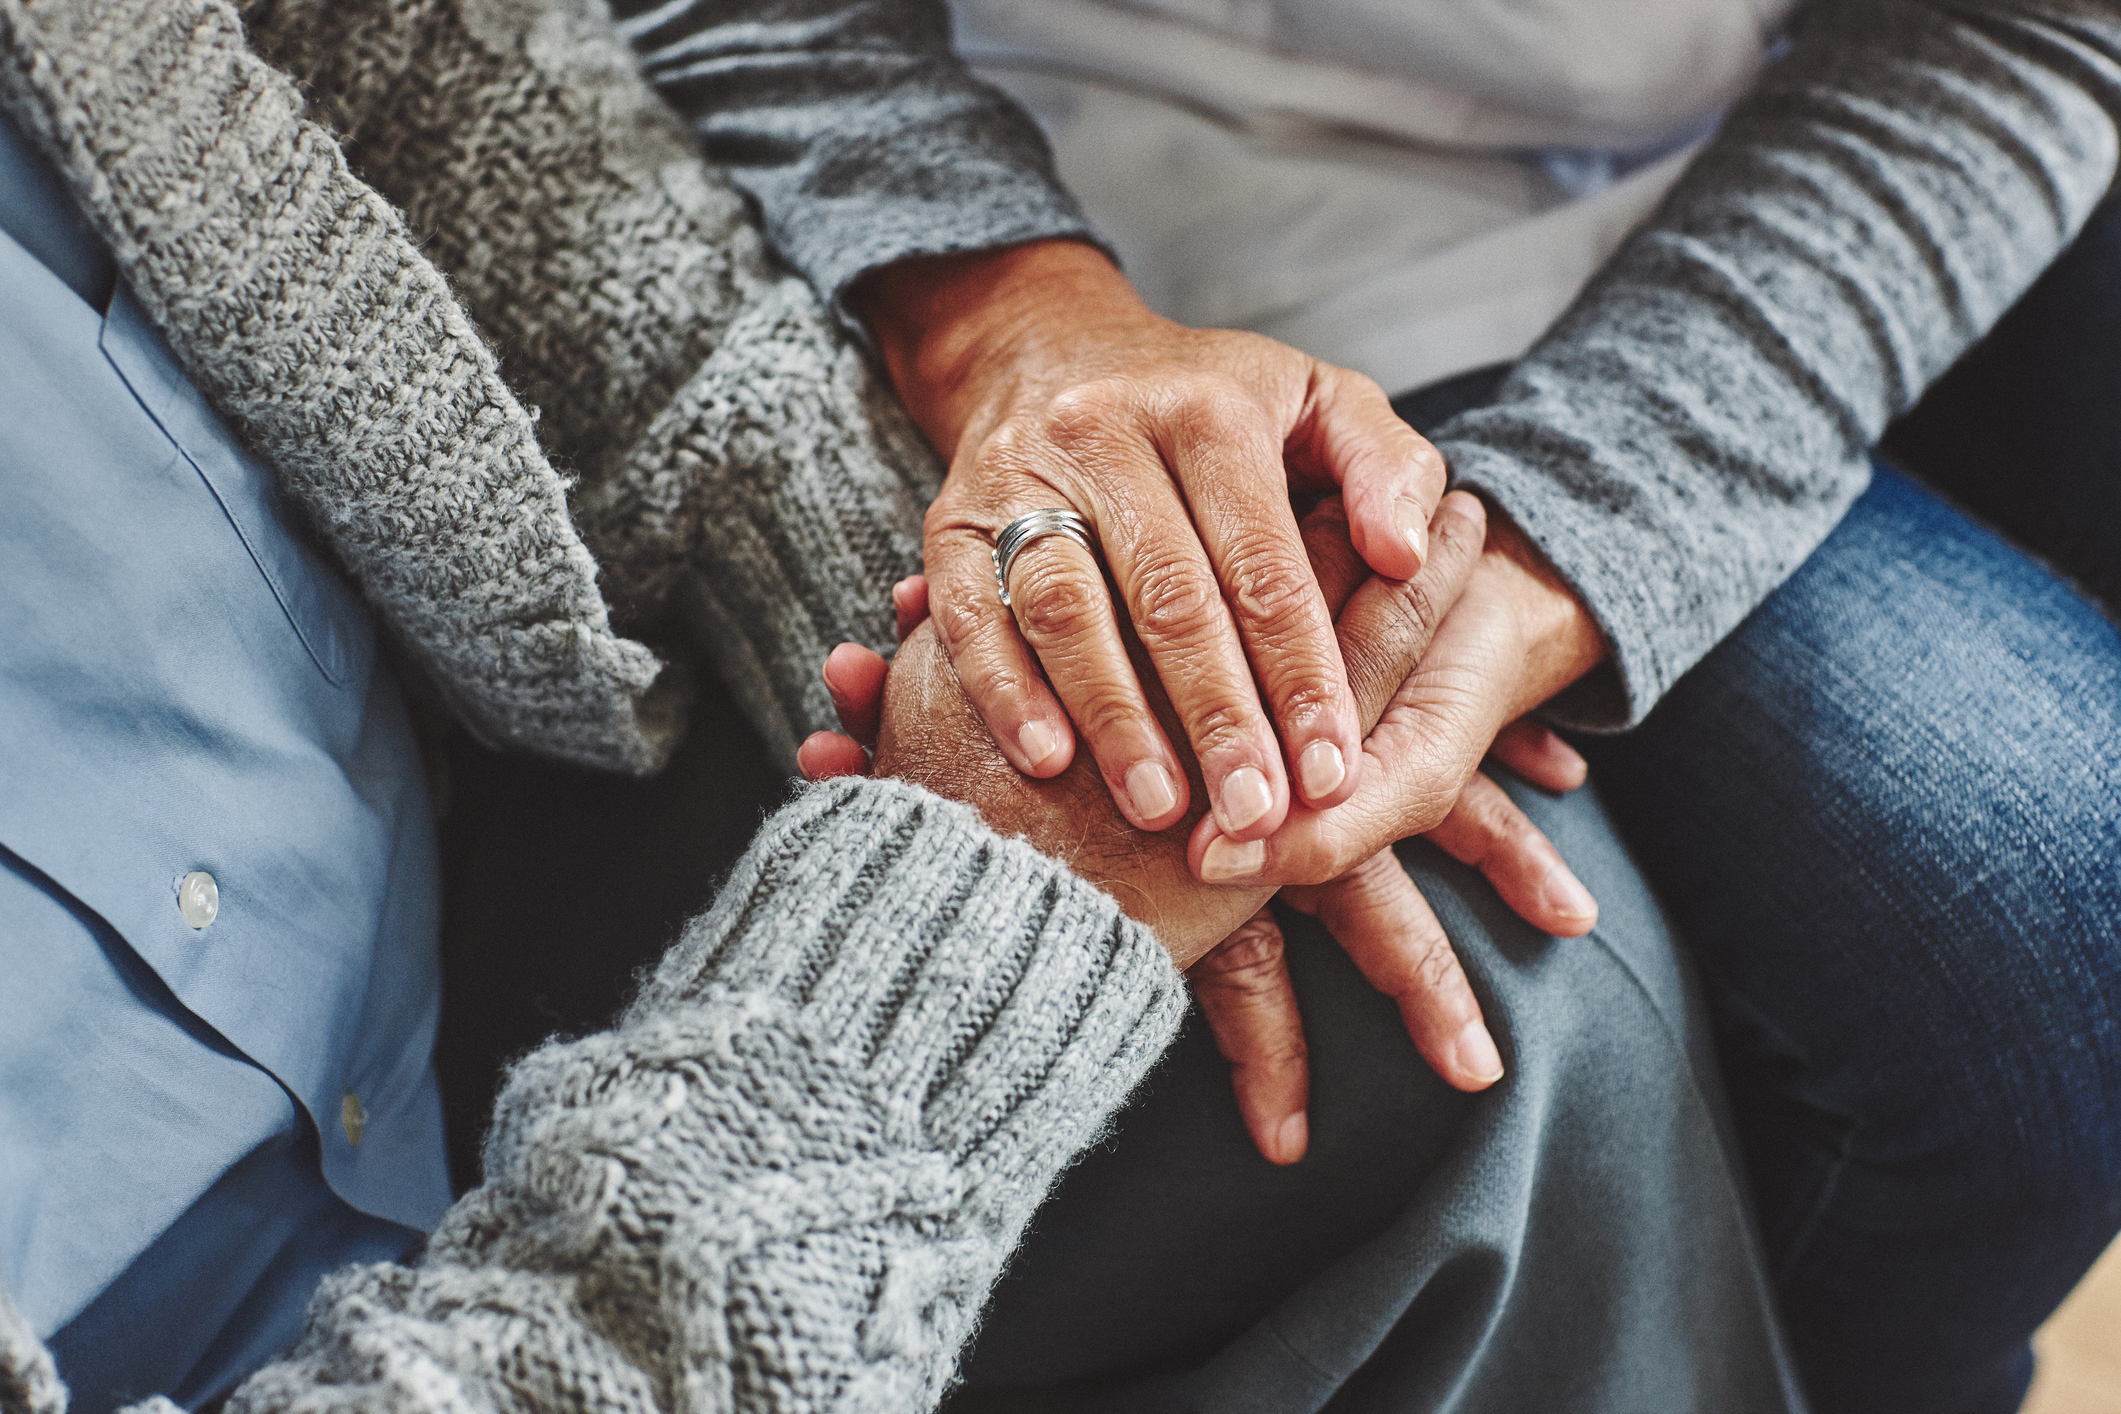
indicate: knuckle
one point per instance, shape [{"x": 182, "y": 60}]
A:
[
  {"x": 1215, "y": 410},
  {"x": 1287, "y": 1049},
  {"x": 1250, "y": 961},
  {"x": 1175, "y": 603},
  {"x": 1270, "y": 587},
  {"x": 1086, "y": 410},
  {"x": 1010, "y": 445},
  {"x": 1053, "y": 602},
  {"x": 1219, "y": 728},
  {"x": 1435, "y": 967},
  {"x": 1362, "y": 385},
  {"x": 1514, "y": 834},
  {"x": 1419, "y": 612},
  {"x": 959, "y": 624},
  {"x": 1428, "y": 463},
  {"x": 1300, "y": 704},
  {"x": 1103, "y": 708}
]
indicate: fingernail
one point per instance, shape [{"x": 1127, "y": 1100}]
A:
[
  {"x": 1225, "y": 859},
  {"x": 1246, "y": 797},
  {"x": 1291, "y": 1138},
  {"x": 1149, "y": 787},
  {"x": 1414, "y": 526},
  {"x": 1477, "y": 1056},
  {"x": 1038, "y": 741},
  {"x": 1322, "y": 768},
  {"x": 1566, "y": 895}
]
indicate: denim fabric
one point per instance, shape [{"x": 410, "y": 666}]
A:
[{"x": 1886, "y": 815}]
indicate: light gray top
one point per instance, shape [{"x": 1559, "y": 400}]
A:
[{"x": 1702, "y": 417}]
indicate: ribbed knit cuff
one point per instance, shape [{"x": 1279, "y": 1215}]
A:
[
  {"x": 997, "y": 1000},
  {"x": 29, "y": 1381}
]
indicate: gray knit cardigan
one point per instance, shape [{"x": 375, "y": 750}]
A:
[{"x": 787, "y": 1178}]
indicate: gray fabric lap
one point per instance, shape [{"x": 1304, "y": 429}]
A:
[{"x": 1578, "y": 1231}]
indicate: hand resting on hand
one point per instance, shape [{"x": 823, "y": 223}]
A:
[{"x": 926, "y": 730}]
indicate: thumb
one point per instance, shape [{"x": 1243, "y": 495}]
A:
[{"x": 1389, "y": 474}]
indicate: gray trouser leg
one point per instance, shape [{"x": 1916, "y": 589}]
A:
[{"x": 1574, "y": 1239}]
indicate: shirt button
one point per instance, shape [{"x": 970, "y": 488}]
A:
[
  {"x": 353, "y": 1115},
  {"x": 198, "y": 898}
]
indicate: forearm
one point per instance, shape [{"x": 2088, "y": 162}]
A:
[
  {"x": 1702, "y": 418},
  {"x": 789, "y": 1175},
  {"x": 862, "y": 137}
]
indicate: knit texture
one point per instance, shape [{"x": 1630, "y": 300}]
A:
[
  {"x": 29, "y": 1382},
  {"x": 786, "y": 1179},
  {"x": 855, "y": 127},
  {"x": 753, "y": 480},
  {"x": 748, "y": 482},
  {"x": 1704, "y": 415},
  {"x": 1701, "y": 419},
  {"x": 294, "y": 298}
]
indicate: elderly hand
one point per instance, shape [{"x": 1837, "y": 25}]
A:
[
  {"x": 1048, "y": 383},
  {"x": 1514, "y": 638},
  {"x": 930, "y": 734}
]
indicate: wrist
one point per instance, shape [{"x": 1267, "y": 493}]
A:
[
  {"x": 1560, "y": 638},
  {"x": 954, "y": 328}
]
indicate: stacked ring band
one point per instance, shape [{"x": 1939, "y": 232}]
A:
[{"x": 1026, "y": 528}]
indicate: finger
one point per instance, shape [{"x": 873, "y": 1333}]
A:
[
  {"x": 1334, "y": 563},
  {"x": 824, "y": 755},
  {"x": 909, "y": 602},
  {"x": 1066, "y": 614},
  {"x": 1387, "y": 625},
  {"x": 1225, "y": 456},
  {"x": 1535, "y": 752},
  {"x": 1175, "y": 605},
  {"x": 854, "y": 675},
  {"x": 1244, "y": 991},
  {"x": 993, "y": 663},
  {"x": 1387, "y": 929},
  {"x": 1390, "y": 475},
  {"x": 1486, "y": 830}
]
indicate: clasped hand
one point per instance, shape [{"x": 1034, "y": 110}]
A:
[
  {"x": 925, "y": 729},
  {"x": 1055, "y": 387}
]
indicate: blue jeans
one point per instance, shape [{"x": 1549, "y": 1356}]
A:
[{"x": 1885, "y": 814}]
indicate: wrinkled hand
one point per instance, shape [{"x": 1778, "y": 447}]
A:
[
  {"x": 1374, "y": 911},
  {"x": 1049, "y": 384},
  {"x": 1516, "y": 636}
]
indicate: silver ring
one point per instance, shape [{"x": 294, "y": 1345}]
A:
[{"x": 1026, "y": 528}]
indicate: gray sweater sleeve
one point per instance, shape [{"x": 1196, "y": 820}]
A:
[
  {"x": 1702, "y": 417},
  {"x": 856, "y": 129},
  {"x": 787, "y": 1178}
]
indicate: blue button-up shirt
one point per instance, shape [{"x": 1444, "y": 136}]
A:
[{"x": 196, "y": 1122}]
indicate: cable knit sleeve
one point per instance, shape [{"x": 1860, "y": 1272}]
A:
[
  {"x": 1702, "y": 417},
  {"x": 788, "y": 1177},
  {"x": 861, "y": 135}
]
